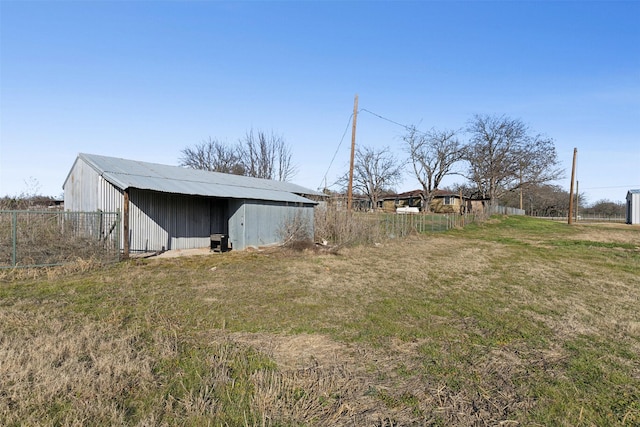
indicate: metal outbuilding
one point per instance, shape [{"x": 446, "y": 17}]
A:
[
  {"x": 170, "y": 207},
  {"x": 633, "y": 207}
]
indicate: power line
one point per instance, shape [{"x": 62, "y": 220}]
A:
[
  {"x": 336, "y": 153},
  {"x": 616, "y": 186},
  {"x": 407, "y": 127}
]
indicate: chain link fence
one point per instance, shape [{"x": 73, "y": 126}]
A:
[
  {"x": 400, "y": 225},
  {"x": 340, "y": 227},
  {"x": 42, "y": 238}
]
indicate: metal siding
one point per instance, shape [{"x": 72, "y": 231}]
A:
[
  {"x": 169, "y": 221},
  {"x": 264, "y": 221},
  {"x": 219, "y": 216},
  {"x": 125, "y": 173},
  {"x": 111, "y": 200},
  {"x": 236, "y": 224},
  {"x": 633, "y": 207},
  {"x": 81, "y": 188},
  {"x": 173, "y": 221},
  {"x": 86, "y": 191}
]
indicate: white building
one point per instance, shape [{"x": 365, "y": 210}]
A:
[{"x": 633, "y": 207}]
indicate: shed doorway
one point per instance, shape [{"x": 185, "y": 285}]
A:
[{"x": 219, "y": 216}]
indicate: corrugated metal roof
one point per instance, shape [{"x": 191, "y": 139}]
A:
[
  {"x": 125, "y": 174},
  {"x": 634, "y": 191}
]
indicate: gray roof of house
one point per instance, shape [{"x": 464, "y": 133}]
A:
[{"x": 124, "y": 174}]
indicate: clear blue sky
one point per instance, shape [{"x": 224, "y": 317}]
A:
[{"x": 144, "y": 79}]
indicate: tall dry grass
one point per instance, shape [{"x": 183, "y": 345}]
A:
[
  {"x": 345, "y": 228},
  {"x": 57, "y": 371},
  {"x": 34, "y": 238},
  {"x": 514, "y": 321},
  {"x": 64, "y": 370}
]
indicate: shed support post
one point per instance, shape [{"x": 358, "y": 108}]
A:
[{"x": 125, "y": 224}]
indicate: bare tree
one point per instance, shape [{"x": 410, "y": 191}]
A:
[
  {"x": 503, "y": 156},
  {"x": 375, "y": 173},
  {"x": 433, "y": 155},
  {"x": 258, "y": 154},
  {"x": 605, "y": 207},
  {"x": 214, "y": 156},
  {"x": 266, "y": 156},
  {"x": 540, "y": 200}
]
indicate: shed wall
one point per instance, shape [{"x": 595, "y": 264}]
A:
[
  {"x": 633, "y": 208},
  {"x": 82, "y": 188},
  {"x": 85, "y": 190},
  {"x": 260, "y": 223},
  {"x": 236, "y": 224},
  {"x": 173, "y": 221}
]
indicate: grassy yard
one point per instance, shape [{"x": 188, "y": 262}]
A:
[{"x": 516, "y": 321}]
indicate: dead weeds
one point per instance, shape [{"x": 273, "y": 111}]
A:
[{"x": 428, "y": 330}]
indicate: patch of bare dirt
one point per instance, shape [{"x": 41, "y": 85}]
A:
[
  {"x": 296, "y": 351},
  {"x": 175, "y": 253}
]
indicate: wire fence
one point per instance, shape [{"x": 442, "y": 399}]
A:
[
  {"x": 587, "y": 217},
  {"x": 400, "y": 225},
  {"x": 43, "y": 238},
  {"x": 339, "y": 226}
]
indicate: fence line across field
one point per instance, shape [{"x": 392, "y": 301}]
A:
[
  {"x": 340, "y": 227},
  {"x": 587, "y": 217},
  {"x": 48, "y": 238},
  {"x": 395, "y": 225}
]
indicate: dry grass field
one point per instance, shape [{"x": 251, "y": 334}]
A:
[{"x": 515, "y": 321}]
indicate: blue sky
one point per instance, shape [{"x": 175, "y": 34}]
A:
[{"x": 144, "y": 79}]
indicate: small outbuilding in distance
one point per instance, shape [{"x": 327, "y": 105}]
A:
[
  {"x": 633, "y": 207},
  {"x": 170, "y": 207}
]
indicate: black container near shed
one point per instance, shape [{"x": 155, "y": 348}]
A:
[{"x": 219, "y": 242}]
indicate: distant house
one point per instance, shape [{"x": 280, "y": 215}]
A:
[
  {"x": 633, "y": 207},
  {"x": 409, "y": 199},
  {"x": 443, "y": 201},
  {"x": 170, "y": 207}
]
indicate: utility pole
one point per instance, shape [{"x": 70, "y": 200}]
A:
[
  {"x": 521, "y": 188},
  {"x": 573, "y": 176},
  {"x": 353, "y": 148}
]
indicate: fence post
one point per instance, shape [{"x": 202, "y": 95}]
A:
[
  {"x": 118, "y": 219},
  {"x": 125, "y": 224},
  {"x": 14, "y": 238}
]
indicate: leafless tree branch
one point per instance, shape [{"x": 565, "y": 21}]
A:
[
  {"x": 433, "y": 155},
  {"x": 503, "y": 155}
]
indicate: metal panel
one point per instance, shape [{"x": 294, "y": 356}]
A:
[
  {"x": 236, "y": 224},
  {"x": 264, "y": 222},
  {"x": 219, "y": 216},
  {"x": 633, "y": 207},
  {"x": 86, "y": 191},
  {"x": 173, "y": 179},
  {"x": 168, "y": 221},
  {"x": 81, "y": 188}
]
